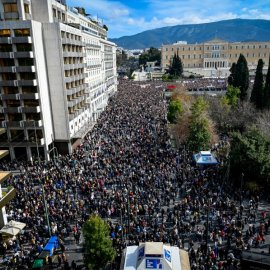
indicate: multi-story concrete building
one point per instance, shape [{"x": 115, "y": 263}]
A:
[
  {"x": 215, "y": 57},
  {"x": 57, "y": 71},
  {"x": 6, "y": 194}
]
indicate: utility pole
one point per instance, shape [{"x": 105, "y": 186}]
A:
[
  {"x": 241, "y": 187},
  {"x": 35, "y": 130},
  {"x": 46, "y": 209},
  {"x": 207, "y": 226}
]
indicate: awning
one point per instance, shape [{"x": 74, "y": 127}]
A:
[
  {"x": 205, "y": 158},
  {"x": 13, "y": 228}
]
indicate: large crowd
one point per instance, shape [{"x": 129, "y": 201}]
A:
[
  {"x": 127, "y": 171},
  {"x": 205, "y": 84}
]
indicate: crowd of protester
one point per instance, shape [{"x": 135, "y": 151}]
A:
[
  {"x": 205, "y": 84},
  {"x": 126, "y": 171}
]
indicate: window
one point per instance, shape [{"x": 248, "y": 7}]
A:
[
  {"x": 22, "y": 32},
  {"x": 10, "y": 8},
  {"x": 183, "y": 56},
  {"x": 5, "y": 48},
  {"x": 5, "y": 33},
  {"x": 265, "y": 46},
  {"x": 26, "y": 9},
  {"x": 24, "y": 47},
  {"x": 172, "y": 49}
]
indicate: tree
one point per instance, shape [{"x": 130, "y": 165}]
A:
[
  {"x": 250, "y": 155},
  {"x": 257, "y": 94},
  {"x": 121, "y": 58},
  {"x": 267, "y": 87},
  {"x": 175, "y": 109},
  {"x": 98, "y": 245},
  {"x": 152, "y": 55},
  {"x": 241, "y": 77},
  {"x": 232, "y": 96},
  {"x": 201, "y": 128},
  {"x": 176, "y": 67},
  {"x": 232, "y": 75}
]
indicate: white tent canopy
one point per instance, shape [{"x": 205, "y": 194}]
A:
[
  {"x": 13, "y": 228},
  {"x": 205, "y": 158}
]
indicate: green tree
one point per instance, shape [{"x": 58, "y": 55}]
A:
[
  {"x": 232, "y": 75},
  {"x": 267, "y": 88},
  {"x": 257, "y": 95},
  {"x": 176, "y": 67},
  {"x": 98, "y": 245},
  {"x": 250, "y": 155},
  {"x": 241, "y": 76},
  {"x": 153, "y": 54},
  {"x": 199, "y": 126},
  {"x": 232, "y": 96},
  {"x": 175, "y": 109},
  {"x": 121, "y": 58}
]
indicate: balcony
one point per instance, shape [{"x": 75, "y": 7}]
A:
[
  {"x": 27, "y": 82},
  {"x": 72, "y": 41},
  {"x": 11, "y": 15},
  {"x": 12, "y": 124},
  {"x": 71, "y": 91},
  {"x": 9, "y": 1},
  {"x": 7, "y": 197},
  {"x": 9, "y": 96},
  {"x": 23, "y": 54},
  {"x": 72, "y": 54},
  {"x": 26, "y": 69},
  {"x": 9, "y": 110},
  {"x": 33, "y": 96},
  {"x": 6, "y": 55},
  {"x": 5, "y": 40},
  {"x": 35, "y": 109},
  {"x": 74, "y": 66},
  {"x": 32, "y": 123},
  {"x": 9, "y": 83},
  {"x": 10, "y": 69},
  {"x": 71, "y": 103},
  {"x": 21, "y": 39}
]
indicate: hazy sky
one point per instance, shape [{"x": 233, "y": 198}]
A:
[{"x": 128, "y": 17}]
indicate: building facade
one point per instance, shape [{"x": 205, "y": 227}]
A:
[
  {"x": 7, "y": 193},
  {"x": 57, "y": 72},
  {"x": 214, "y": 58}
]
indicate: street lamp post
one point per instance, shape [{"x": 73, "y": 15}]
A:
[
  {"x": 241, "y": 187},
  {"x": 42, "y": 186},
  {"x": 35, "y": 130},
  {"x": 46, "y": 210}
]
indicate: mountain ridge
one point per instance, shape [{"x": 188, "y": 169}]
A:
[{"x": 234, "y": 30}]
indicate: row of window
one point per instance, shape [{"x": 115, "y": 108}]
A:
[
  {"x": 70, "y": 36},
  {"x": 218, "y": 47},
  {"x": 217, "y": 55},
  {"x": 16, "y": 32},
  {"x": 19, "y": 47},
  {"x": 7, "y": 90}
]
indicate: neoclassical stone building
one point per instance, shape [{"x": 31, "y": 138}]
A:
[{"x": 215, "y": 57}]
